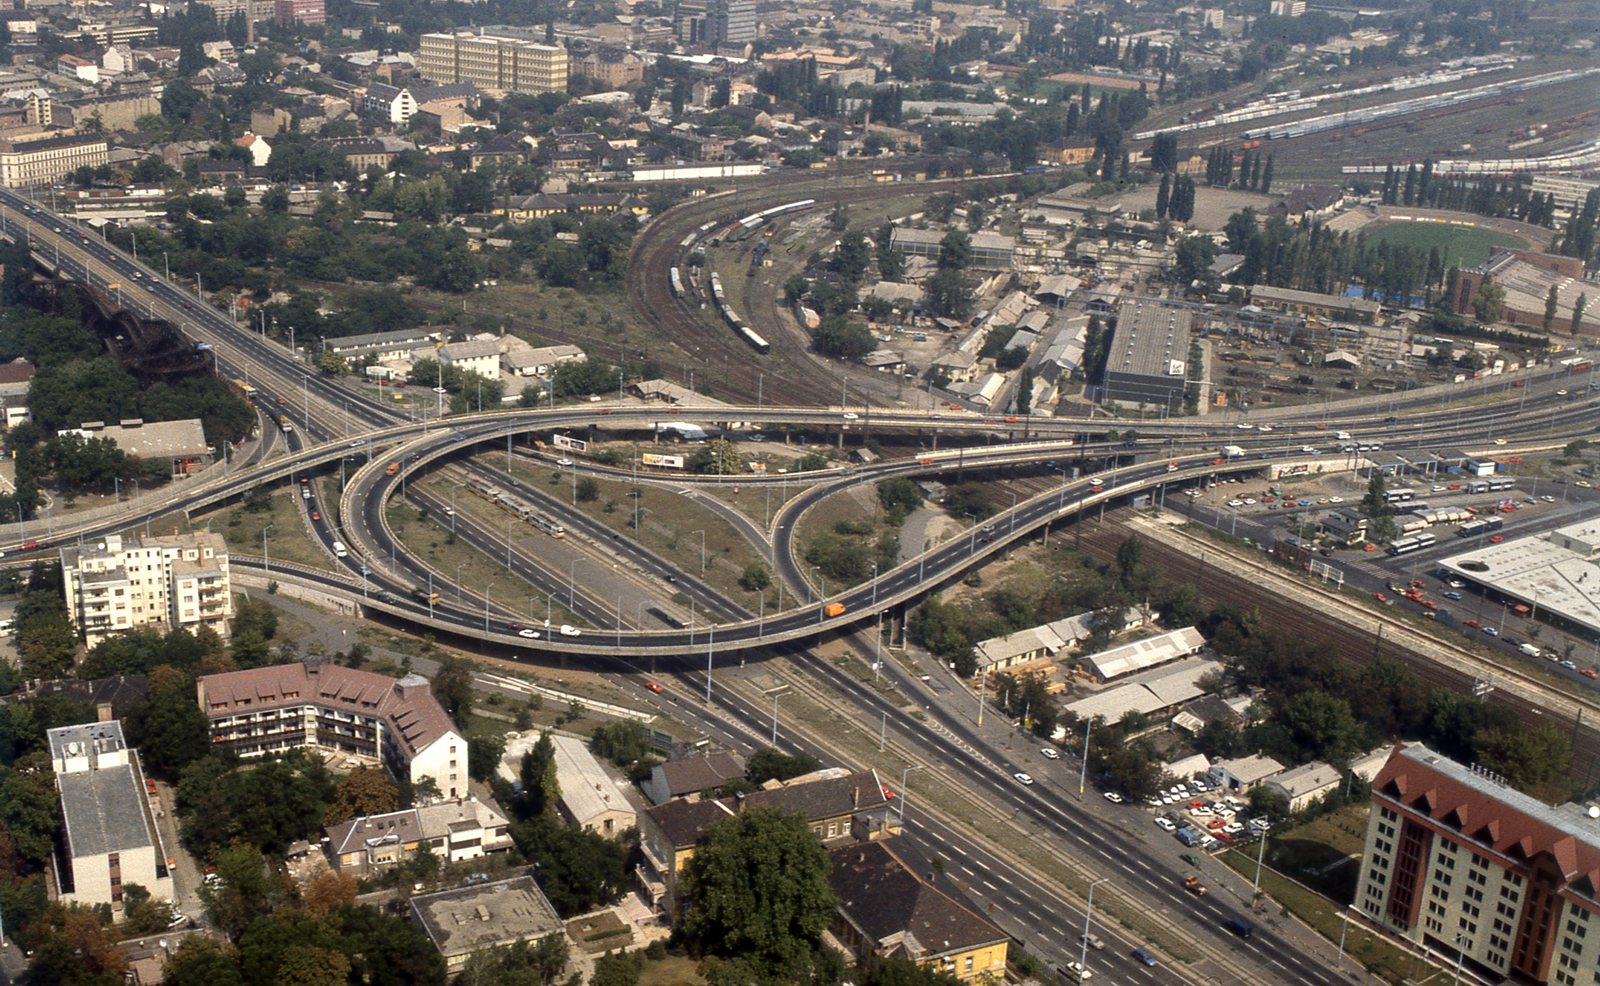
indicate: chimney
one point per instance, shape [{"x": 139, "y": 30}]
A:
[{"x": 103, "y": 712}]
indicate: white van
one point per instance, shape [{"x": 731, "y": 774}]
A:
[{"x": 338, "y": 550}]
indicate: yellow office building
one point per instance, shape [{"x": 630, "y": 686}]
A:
[{"x": 491, "y": 63}]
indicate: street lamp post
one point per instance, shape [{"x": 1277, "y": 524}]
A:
[
  {"x": 486, "y": 606},
  {"x": 572, "y": 584},
  {"x": 702, "y": 551},
  {"x": 1083, "y": 768},
  {"x": 265, "y": 554},
  {"x": 458, "y": 582},
  {"x": 903, "y": 773},
  {"x": 1083, "y": 953}
]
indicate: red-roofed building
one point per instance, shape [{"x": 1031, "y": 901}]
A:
[
  {"x": 264, "y": 710},
  {"x": 1462, "y": 864}
]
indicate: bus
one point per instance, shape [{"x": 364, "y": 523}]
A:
[
  {"x": 1478, "y": 486},
  {"x": 1416, "y": 542},
  {"x": 1499, "y": 485},
  {"x": 425, "y": 597},
  {"x": 1401, "y": 495}
]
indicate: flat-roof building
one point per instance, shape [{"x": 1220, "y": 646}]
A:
[
  {"x": 182, "y": 442},
  {"x": 590, "y": 799},
  {"x": 470, "y": 919},
  {"x": 495, "y": 64},
  {"x": 110, "y": 839},
  {"x": 1149, "y": 355},
  {"x": 455, "y": 831},
  {"x": 1557, "y": 573}
]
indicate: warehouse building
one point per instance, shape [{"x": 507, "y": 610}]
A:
[{"x": 1149, "y": 356}]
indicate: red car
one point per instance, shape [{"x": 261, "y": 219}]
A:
[
  {"x": 1455, "y": 486},
  {"x": 1589, "y": 673},
  {"x": 315, "y": 515},
  {"x": 1013, "y": 420},
  {"x": 604, "y": 410},
  {"x": 1495, "y": 539},
  {"x": 1097, "y": 488},
  {"x": 1470, "y": 623},
  {"x": 654, "y": 686}
]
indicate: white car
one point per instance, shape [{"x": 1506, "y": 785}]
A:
[
  {"x": 1250, "y": 501},
  {"x": 529, "y": 633},
  {"x": 1050, "y": 753},
  {"x": 1245, "y": 426},
  {"x": 1308, "y": 449},
  {"x": 570, "y": 631},
  {"x": 1335, "y": 499},
  {"x": 1263, "y": 427},
  {"x": 440, "y": 390},
  {"x": 1073, "y": 970},
  {"x": 1236, "y": 503},
  {"x": 1114, "y": 797},
  {"x": 1561, "y": 393},
  {"x": 563, "y": 462},
  {"x": 1548, "y": 499},
  {"x": 851, "y": 415},
  {"x": 1499, "y": 441},
  {"x": 1165, "y": 824},
  {"x": 1023, "y": 778},
  {"x": 358, "y": 443}
]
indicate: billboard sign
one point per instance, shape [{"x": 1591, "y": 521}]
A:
[
  {"x": 575, "y": 444},
  {"x": 668, "y": 461}
]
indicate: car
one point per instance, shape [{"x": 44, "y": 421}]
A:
[
  {"x": 1561, "y": 393},
  {"x": 1495, "y": 538},
  {"x": 1491, "y": 631},
  {"x": 1531, "y": 499},
  {"x": 1250, "y": 500},
  {"x": 1245, "y": 426},
  {"x": 851, "y": 415},
  {"x": 1097, "y": 488},
  {"x": 1470, "y": 623},
  {"x": 1513, "y": 641},
  {"x": 1499, "y": 441},
  {"x": 358, "y": 443},
  {"x": 1427, "y": 604},
  {"x": 756, "y": 437},
  {"x": 1235, "y": 503},
  {"x": 440, "y": 390},
  {"x": 1013, "y": 419},
  {"x": 1380, "y": 597},
  {"x": 563, "y": 462},
  {"x": 529, "y": 632},
  {"x": 1451, "y": 594},
  {"x": 1050, "y": 753},
  {"x": 1335, "y": 499},
  {"x": 1023, "y": 778},
  {"x": 1457, "y": 584},
  {"x": 1075, "y": 970},
  {"x": 1142, "y": 956},
  {"x": 1308, "y": 449},
  {"x": 1437, "y": 489},
  {"x": 1590, "y": 673},
  {"x": 568, "y": 630},
  {"x": 1165, "y": 824},
  {"x": 1302, "y": 502},
  {"x": 1547, "y": 498},
  {"x": 315, "y": 515},
  {"x": 1114, "y": 797},
  {"x": 654, "y": 686},
  {"x": 1092, "y": 940},
  {"x": 1455, "y": 486},
  {"x": 1569, "y": 665},
  {"x": 363, "y": 569}
]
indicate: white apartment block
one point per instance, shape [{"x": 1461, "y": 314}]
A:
[
  {"x": 494, "y": 64},
  {"x": 456, "y": 831},
  {"x": 265, "y": 710},
  {"x": 44, "y": 159},
  {"x": 111, "y": 838},
  {"x": 178, "y": 581}
]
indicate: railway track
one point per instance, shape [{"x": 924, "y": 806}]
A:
[{"x": 1355, "y": 648}]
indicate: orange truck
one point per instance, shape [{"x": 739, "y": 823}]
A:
[
  {"x": 394, "y": 467},
  {"x": 1192, "y": 884},
  {"x": 833, "y": 609}
]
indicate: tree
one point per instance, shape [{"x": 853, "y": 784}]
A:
[
  {"x": 719, "y": 457},
  {"x": 768, "y": 765},
  {"x": 1577, "y": 312},
  {"x": 452, "y": 686},
  {"x": 329, "y": 890},
  {"x": 955, "y": 251},
  {"x": 756, "y": 578},
  {"x": 947, "y": 295},
  {"x": 367, "y": 791},
  {"x": 1163, "y": 195},
  {"x": 588, "y": 490},
  {"x": 579, "y": 869},
  {"x": 839, "y": 218},
  {"x": 483, "y": 756},
  {"x": 795, "y": 288},
  {"x": 170, "y": 729},
  {"x": 1526, "y": 759},
  {"x": 1025, "y": 391},
  {"x": 759, "y": 890},
  {"x": 1489, "y": 302},
  {"x": 541, "y": 789},
  {"x": 1550, "y": 302},
  {"x": 1375, "y": 507}
]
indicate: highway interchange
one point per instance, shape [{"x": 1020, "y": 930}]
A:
[{"x": 1103, "y": 839}]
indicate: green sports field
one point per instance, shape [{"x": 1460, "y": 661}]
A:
[{"x": 1463, "y": 246}]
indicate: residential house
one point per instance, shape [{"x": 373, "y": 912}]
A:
[
  {"x": 691, "y": 775},
  {"x": 590, "y": 798},
  {"x": 480, "y": 356},
  {"x": 455, "y": 831},
  {"x": 1241, "y": 774},
  {"x": 474, "y": 918},
  {"x": 888, "y": 910},
  {"x": 110, "y": 838},
  {"x": 1304, "y": 784}
]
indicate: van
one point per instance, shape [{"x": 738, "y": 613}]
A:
[
  {"x": 394, "y": 467},
  {"x": 338, "y": 550},
  {"x": 1239, "y": 927},
  {"x": 1343, "y": 436}
]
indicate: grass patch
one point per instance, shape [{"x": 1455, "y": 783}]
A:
[
  {"x": 674, "y": 970},
  {"x": 1461, "y": 246},
  {"x": 287, "y": 540},
  {"x": 1375, "y": 954}
]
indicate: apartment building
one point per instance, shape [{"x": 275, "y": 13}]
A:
[
  {"x": 172, "y": 582},
  {"x": 336, "y": 709},
  {"x": 110, "y": 838},
  {"x": 299, "y": 12},
  {"x": 496, "y": 64},
  {"x": 1459, "y": 863},
  {"x": 37, "y": 160}
]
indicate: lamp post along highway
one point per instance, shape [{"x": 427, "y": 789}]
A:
[
  {"x": 1088, "y": 911},
  {"x": 485, "y": 605},
  {"x": 458, "y": 584},
  {"x": 702, "y": 551},
  {"x": 903, "y": 773},
  {"x": 266, "y": 555},
  {"x": 711, "y": 649}
]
